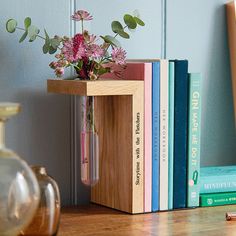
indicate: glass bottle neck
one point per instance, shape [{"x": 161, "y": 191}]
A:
[{"x": 2, "y": 134}]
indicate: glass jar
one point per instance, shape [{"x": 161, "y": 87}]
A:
[
  {"x": 46, "y": 219},
  {"x": 19, "y": 195},
  {"x": 89, "y": 143}
]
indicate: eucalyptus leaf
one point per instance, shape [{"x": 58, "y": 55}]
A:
[
  {"x": 139, "y": 21},
  {"x": 55, "y": 42},
  {"x": 27, "y": 22},
  {"x": 116, "y": 26},
  {"x": 123, "y": 34},
  {"x": 52, "y": 50},
  {"x": 32, "y": 38},
  {"x": 130, "y": 21},
  {"x": 111, "y": 40},
  {"x": 11, "y": 25},
  {"x": 23, "y": 37},
  {"x": 45, "y": 48},
  {"x": 33, "y": 32}
]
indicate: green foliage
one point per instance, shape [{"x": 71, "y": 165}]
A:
[
  {"x": 27, "y": 22},
  {"x": 33, "y": 31},
  {"x": 52, "y": 50},
  {"x": 130, "y": 21},
  {"x": 46, "y": 46},
  {"x": 55, "y": 42},
  {"x": 23, "y": 37},
  {"x": 111, "y": 40},
  {"x": 123, "y": 34},
  {"x": 103, "y": 70},
  {"x": 116, "y": 26},
  {"x": 139, "y": 21},
  {"x": 11, "y": 25}
]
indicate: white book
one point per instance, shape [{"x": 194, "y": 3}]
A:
[{"x": 164, "y": 116}]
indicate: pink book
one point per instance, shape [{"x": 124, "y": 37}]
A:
[{"x": 142, "y": 71}]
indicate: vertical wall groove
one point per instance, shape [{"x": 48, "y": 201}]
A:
[
  {"x": 73, "y": 133},
  {"x": 163, "y": 28}
]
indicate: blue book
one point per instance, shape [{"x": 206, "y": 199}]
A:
[
  {"x": 155, "y": 135},
  {"x": 180, "y": 134},
  {"x": 216, "y": 179},
  {"x": 171, "y": 134}
]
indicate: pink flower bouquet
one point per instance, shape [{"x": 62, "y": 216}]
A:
[{"x": 91, "y": 56}]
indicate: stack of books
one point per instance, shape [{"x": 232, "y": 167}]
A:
[
  {"x": 172, "y": 117},
  {"x": 218, "y": 186}
]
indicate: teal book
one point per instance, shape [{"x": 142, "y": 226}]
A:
[
  {"x": 218, "y": 179},
  {"x": 217, "y": 199},
  {"x": 194, "y": 133},
  {"x": 171, "y": 134}
]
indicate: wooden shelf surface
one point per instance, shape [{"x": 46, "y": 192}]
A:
[
  {"x": 93, "y": 88},
  {"x": 101, "y": 221}
]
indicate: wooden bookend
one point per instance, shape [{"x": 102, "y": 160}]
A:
[
  {"x": 119, "y": 112},
  {"x": 231, "y": 21}
]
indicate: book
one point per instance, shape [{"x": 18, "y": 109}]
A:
[
  {"x": 164, "y": 115},
  {"x": 194, "y": 129},
  {"x": 142, "y": 70},
  {"x": 180, "y": 134},
  {"x": 147, "y": 137},
  {"x": 218, "y": 179},
  {"x": 171, "y": 134},
  {"x": 155, "y": 135},
  {"x": 217, "y": 199}
]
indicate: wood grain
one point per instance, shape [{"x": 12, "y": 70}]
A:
[
  {"x": 231, "y": 22},
  {"x": 93, "y": 88},
  {"x": 113, "y": 119},
  {"x": 100, "y": 221}
]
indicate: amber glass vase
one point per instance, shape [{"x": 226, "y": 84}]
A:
[{"x": 46, "y": 219}]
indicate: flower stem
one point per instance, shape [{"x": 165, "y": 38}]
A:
[{"x": 82, "y": 25}]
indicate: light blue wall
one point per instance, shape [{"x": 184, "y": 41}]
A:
[
  {"x": 41, "y": 133},
  {"x": 196, "y": 30}
]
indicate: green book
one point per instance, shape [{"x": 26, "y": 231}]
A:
[
  {"x": 217, "y": 199},
  {"x": 194, "y": 128}
]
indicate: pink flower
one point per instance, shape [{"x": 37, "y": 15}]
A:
[
  {"x": 118, "y": 56},
  {"x": 59, "y": 71},
  {"x": 81, "y": 15},
  {"x": 78, "y": 46},
  {"x": 94, "y": 51},
  {"x": 74, "y": 49},
  {"x": 67, "y": 50},
  {"x": 53, "y": 65}
]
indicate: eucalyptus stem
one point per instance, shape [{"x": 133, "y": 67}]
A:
[{"x": 36, "y": 35}]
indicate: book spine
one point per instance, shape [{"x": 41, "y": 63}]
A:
[
  {"x": 155, "y": 135},
  {"x": 218, "y": 184},
  {"x": 217, "y": 199},
  {"x": 194, "y": 126},
  {"x": 138, "y": 152},
  {"x": 164, "y": 106},
  {"x": 171, "y": 133},
  {"x": 148, "y": 137},
  {"x": 180, "y": 134}
]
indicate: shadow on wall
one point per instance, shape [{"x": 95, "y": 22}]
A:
[{"x": 218, "y": 97}]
